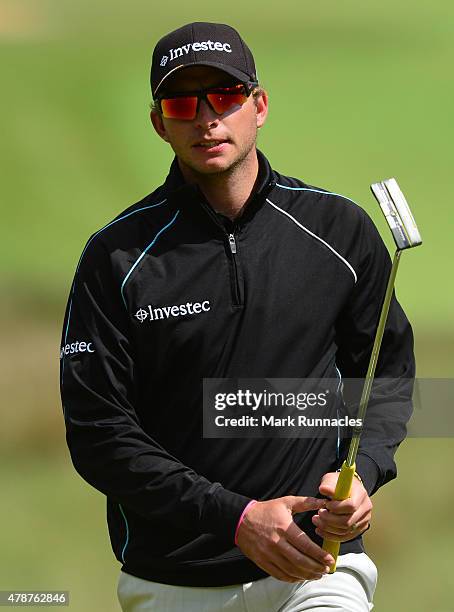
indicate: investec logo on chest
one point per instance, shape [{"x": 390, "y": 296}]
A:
[
  {"x": 165, "y": 312},
  {"x": 207, "y": 45}
]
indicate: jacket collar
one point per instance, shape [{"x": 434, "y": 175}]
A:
[{"x": 177, "y": 190}]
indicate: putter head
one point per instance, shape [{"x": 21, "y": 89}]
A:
[{"x": 397, "y": 213}]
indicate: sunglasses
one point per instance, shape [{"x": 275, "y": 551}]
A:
[{"x": 220, "y": 99}]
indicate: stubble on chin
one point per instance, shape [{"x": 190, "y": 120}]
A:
[{"x": 233, "y": 167}]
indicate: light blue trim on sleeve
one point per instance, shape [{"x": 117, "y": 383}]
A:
[
  {"x": 308, "y": 231},
  {"x": 116, "y": 221},
  {"x": 80, "y": 260},
  {"x": 163, "y": 229},
  {"x": 316, "y": 191},
  {"x": 127, "y": 534}
]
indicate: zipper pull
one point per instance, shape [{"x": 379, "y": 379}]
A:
[{"x": 232, "y": 243}]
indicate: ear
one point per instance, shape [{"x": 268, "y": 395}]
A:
[
  {"x": 261, "y": 104},
  {"x": 158, "y": 124}
]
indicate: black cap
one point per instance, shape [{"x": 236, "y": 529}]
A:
[{"x": 202, "y": 44}]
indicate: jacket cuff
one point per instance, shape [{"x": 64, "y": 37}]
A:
[
  {"x": 243, "y": 514},
  {"x": 222, "y": 513},
  {"x": 369, "y": 472}
]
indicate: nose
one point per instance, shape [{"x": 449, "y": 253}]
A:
[{"x": 206, "y": 117}]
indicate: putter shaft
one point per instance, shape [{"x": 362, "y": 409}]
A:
[{"x": 406, "y": 235}]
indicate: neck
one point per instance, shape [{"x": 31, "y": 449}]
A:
[{"x": 227, "y": 192}]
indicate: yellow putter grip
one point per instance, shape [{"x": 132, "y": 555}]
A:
[
  {"x": 333, "y": 548},
  {"x": 342, "y": 491}
]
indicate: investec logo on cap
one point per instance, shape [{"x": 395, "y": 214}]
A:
[{"x": 207, "y": 45}]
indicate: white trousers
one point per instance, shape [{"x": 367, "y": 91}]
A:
[{"x": 350, "y": 588}]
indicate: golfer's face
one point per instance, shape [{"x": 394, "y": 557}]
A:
[{"x": 211, "y": 143}]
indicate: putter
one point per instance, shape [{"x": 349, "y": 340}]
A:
[{"x": 406, "y": 236}]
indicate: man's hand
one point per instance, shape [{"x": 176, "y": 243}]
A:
[
  {"x": 273, "y": 541},
  {"x": 343, "y": 520}
]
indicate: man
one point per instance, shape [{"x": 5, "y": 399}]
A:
[{"x": 228, "y": 269}]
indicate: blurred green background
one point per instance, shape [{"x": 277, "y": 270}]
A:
[{"x": 358, "y": 92}]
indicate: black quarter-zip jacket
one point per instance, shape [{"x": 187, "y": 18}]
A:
[{"x": 169, "y": 293}]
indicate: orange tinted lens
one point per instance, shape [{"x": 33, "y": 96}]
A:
[
  {"x": 222, "y": 101},
  {"x": 179, "y": 108}
]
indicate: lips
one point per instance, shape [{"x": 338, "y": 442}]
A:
[{"x": 210, "y": 144}]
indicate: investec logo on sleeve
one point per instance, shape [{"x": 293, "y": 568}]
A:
[
  {"x": 149, "y": 313},
  {"x": 76, "y": 347},
  {"x": 207, "y": 45}
]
